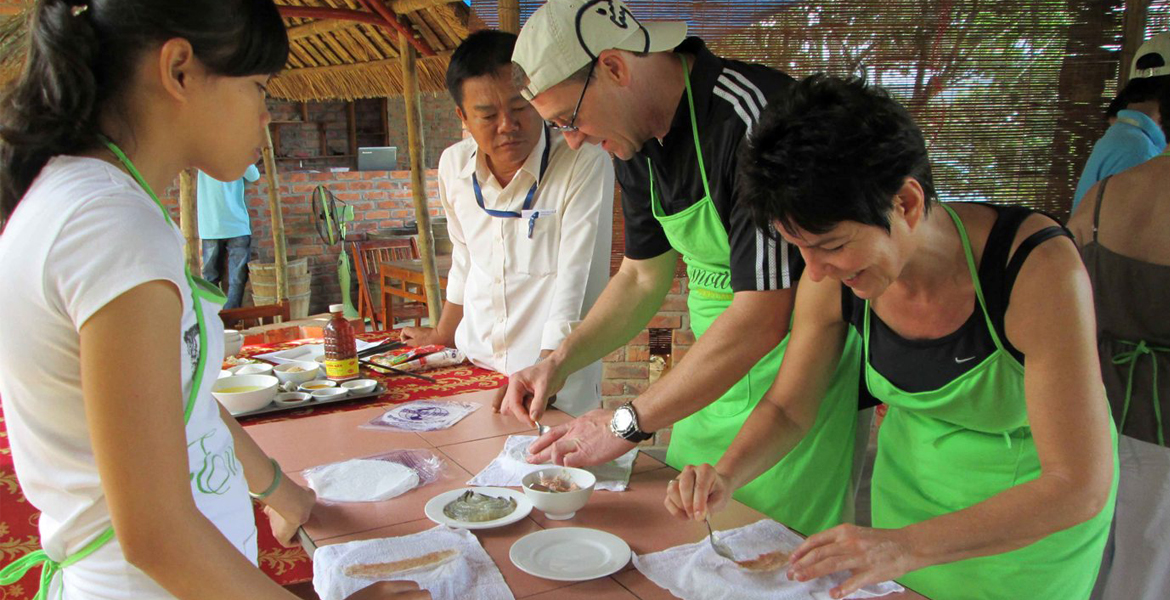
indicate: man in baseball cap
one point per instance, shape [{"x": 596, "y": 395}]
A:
[
  {"x": 675, "y": 116},
  {"x": 1137, "y": 135}
]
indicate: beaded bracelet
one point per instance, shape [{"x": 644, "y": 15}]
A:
[{"x": 277, "y": 476}]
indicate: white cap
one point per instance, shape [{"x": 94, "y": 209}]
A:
[
  {"x": 1159, "y": 45},
  {"x": 564, "y": 35},
  {"x": 336, "y": 308}
]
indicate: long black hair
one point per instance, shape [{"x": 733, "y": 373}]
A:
[{"x": 82, "y": 56}]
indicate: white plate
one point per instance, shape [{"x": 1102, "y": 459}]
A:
[
  {"x": 434, "y": 507},
  {"x": 570, "y": 554}
]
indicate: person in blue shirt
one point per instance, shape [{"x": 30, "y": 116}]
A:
[
  {"x": 1136, "y": 136},
  {"x": 224, "y": 227}
]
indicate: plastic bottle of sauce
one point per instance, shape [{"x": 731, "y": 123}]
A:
[{"x": 341, "y": 361}]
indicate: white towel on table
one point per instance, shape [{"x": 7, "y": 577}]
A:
[
  {"x": 471, "y": 574},
  {"x": 510, "y": 467},
  {"x": 694, "y": 571}
]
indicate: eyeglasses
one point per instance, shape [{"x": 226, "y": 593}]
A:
[{"x": 571, "y": 127}]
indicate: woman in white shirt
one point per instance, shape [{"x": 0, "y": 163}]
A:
[{"x": 109, "y": 347}]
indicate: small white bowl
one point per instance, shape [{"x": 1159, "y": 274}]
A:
[
  {"x": 225, "y": 373},
  {"x": 308, "y": 371},
  {"x": 245, "y": 393},
  {"x": 288, "y": 399},
  {"x": 318, "y": 384},
  {"x": 254, "y": 369},
  {"x": 559, "y": 506},
  {"x": 232, "y": 342},
  {"x": 329, "y": 393},
  {"x": 360, "y": 386}
]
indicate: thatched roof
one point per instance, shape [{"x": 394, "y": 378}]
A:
[
  {"x": 354, "y": 56},
  {"x": 345, "y": 59}
]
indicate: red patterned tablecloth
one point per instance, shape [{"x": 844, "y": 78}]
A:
[{"x": 18, "y": 518}]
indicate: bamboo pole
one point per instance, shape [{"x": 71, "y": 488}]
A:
[
  {"x": 188, "y": 221},
  {"x": 277, "y": 217},
  {"x": 1133, "y": 34},
  {"x": 509, "y": 11},
  {"x": 426, "y": 244}
]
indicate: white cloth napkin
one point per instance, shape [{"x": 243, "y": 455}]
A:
[
  {"x": 510, "y": 467},
  {"x": 471, "y": 574},
  {"x": 694, "y": 571},
  {"x": 307, "y": 352}
]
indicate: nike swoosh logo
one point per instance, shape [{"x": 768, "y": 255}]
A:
[{"x": 963, "y": 360}]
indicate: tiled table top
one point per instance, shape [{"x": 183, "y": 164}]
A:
[{"x": 636, "y": 515}]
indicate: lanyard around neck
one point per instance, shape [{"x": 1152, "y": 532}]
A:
[{"x": 510, "y": 214}]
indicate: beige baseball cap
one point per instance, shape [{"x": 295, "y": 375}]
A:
[
  {"x": 564, "y": 35},
  {"x": 1159, "y": 45}
]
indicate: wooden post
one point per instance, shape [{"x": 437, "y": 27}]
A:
[
  {"x": 277, "y": 218},
  {"x": 426, "y": 243},
  {"x": 509, "y": 11},
  {"x": 1133, "y": 34},
  {"x": 188, "y": 220}
]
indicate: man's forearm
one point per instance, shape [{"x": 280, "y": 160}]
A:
[
  {"x": 624, "y": 308},
  {"x": 751, "y": 327},
  {"x": 449, "y": 322}
]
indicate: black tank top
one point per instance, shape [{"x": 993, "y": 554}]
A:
[{"x": 923, "y": 365}]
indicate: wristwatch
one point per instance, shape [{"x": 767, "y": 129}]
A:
[{"x": 625, "y": 424}]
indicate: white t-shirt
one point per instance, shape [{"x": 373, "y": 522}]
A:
[{"x": 84, "y": 234}]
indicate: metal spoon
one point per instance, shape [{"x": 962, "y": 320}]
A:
[
  {"x": 718, "y": 547},
  {"x": 541, "y": 429}
]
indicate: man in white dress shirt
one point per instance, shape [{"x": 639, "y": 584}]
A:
[{"x": 530, "y": 220}]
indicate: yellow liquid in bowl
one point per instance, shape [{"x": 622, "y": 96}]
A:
[{"x": 239, "y": 389}]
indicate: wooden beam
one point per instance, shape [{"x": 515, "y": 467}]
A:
[
  {"x": 276, "y": 215},
  {"x": 336, "y": 14},
  {"x": 407, "y": 6},
  {"x": 509, "y": 11},
  {"x": 1134, "y": 33},
  {"x": 389, "y": 63},
  {"x": 422, "y": 213},
  {"x": 188, "y": 220},
  {"x": 317, "y": 28},
  {"x": 404, "y": 29}
]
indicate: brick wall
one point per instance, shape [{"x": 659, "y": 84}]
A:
[
  {"x": 380, "y": 199},
  {"x": 298, "y": 140}
]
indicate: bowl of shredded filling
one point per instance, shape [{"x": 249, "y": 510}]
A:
[{"x": 559, "y": 491}]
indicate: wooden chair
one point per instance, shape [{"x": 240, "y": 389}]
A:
[
  {"x": 252, "y": 316},
  {"x": 367, "y": 256}
]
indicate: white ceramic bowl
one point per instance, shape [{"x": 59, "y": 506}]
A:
[
  {"x": 232, "y": 342},
  {"x": 308, "y": 371},
  {"x": 318, "y": 384},
  {"x": 225, "y": 373},
  {"x": 254, "y": 369},
  {"x": 360, "y": 386},
  {"x": 245, "y": 393},
  {"x": 329, "y": 393},
  {"x": 288, "y": 399},
  {"x": 559, "y": 506}
]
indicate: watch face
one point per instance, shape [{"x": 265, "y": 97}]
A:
[{"x": 623, "y": 420}]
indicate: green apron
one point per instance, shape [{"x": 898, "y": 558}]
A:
[
  {"x": 944, "y": 450},
  {"x": 806, "y": 490},
  {"x": 205, "y": 297}
]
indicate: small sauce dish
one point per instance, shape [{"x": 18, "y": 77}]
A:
[
  {"x": 254, "y": 369},
  {"x": 317, "y": 384},
  {"x": 360, "y": 386},
  {"x": 330, "y": 393},
  {"x": 288, "y": 399}
]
